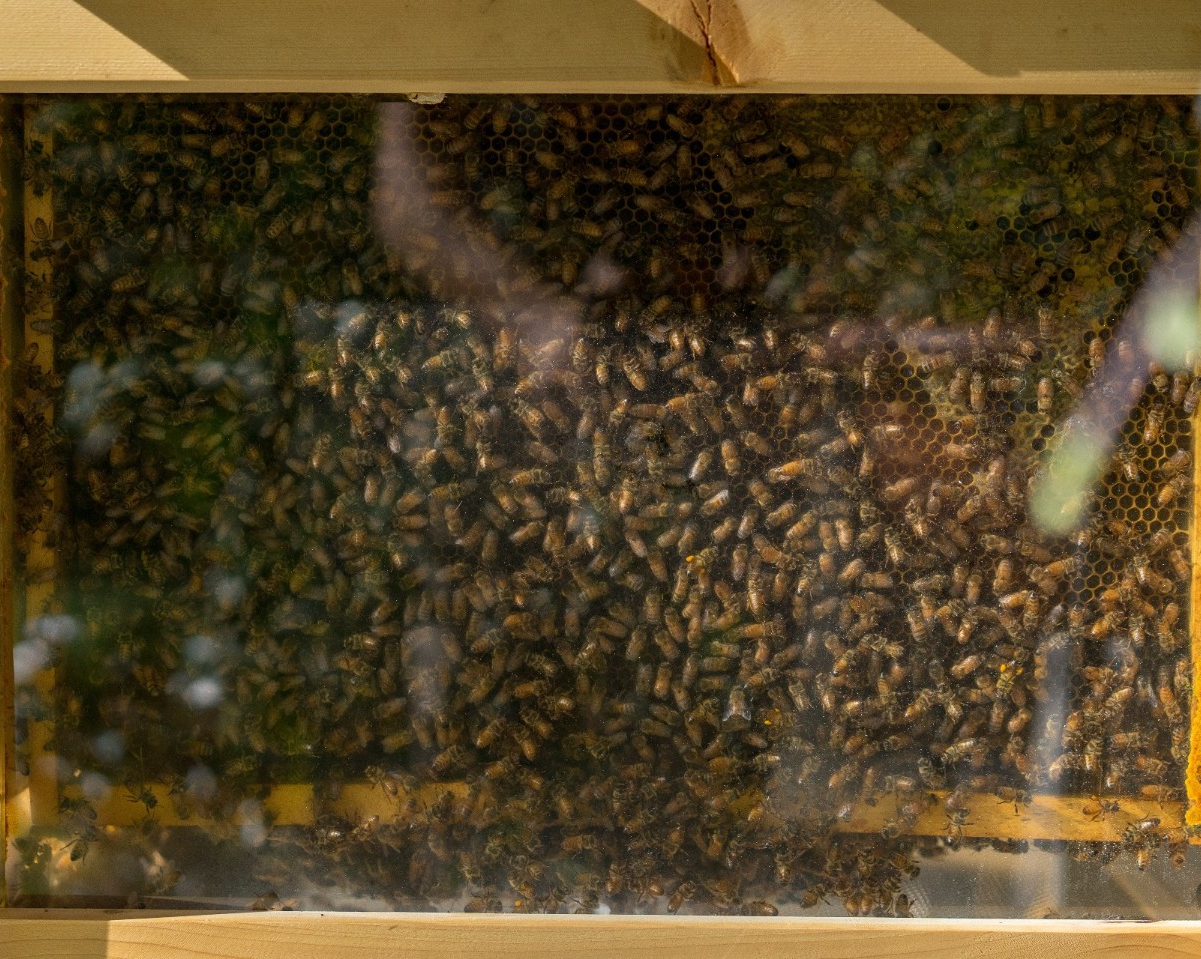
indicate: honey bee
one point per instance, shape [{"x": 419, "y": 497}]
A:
[
  {"x": 1174, "y": 488},
  {"x": 1098, "y": 808},
  {"x": 962, "y": 749},
  {"x": 729, "y": 457},
  {"x": 685, "y": 891},
  {"x": 1153, "y": 425},
  {"x": 388, "y": 782},
  {"x": 977, "y": 392},
  {"x": 700, "y": 465},
  {"x": 632, "y": 368},
  {"x": 896, "y": 553},
  {"x": 1191, "y": 396},
  {"x": 716, "y": 503},
  {"x": 1018, "y": 797},
  {"x": 953, "y": 828},
  {"x": 966, "y": 666}
]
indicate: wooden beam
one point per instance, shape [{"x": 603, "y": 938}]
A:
[
  {"x": 661, "y": 46},
  {"x": 988, "y": 46},
  {"x": 43, "y": 934},
  {"x": 366, "y": 46}
]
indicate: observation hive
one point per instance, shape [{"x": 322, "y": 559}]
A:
[{"x": 722, "y": 504}]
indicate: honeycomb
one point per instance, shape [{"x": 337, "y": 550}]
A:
[{"x": 659, "y": 469}]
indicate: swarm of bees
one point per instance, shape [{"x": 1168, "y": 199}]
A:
[{"x": 659, "y": 478}]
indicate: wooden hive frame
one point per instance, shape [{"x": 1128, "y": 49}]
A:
[
  {"x": 1044, "y": 817},
  {"x": 10, "y": 282},
  {"x": 1071, "y": 46}
]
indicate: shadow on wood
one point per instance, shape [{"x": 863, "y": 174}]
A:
[
  {"x": 1007, "y": 38},
  {"x": 452, "y": 46}
]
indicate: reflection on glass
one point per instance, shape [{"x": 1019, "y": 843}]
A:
[{"x": 720, "y": 505}]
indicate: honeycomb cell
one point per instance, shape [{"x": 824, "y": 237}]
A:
[{"x": 782, "y": 436}]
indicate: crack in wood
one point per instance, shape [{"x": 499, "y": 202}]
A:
[{"x": 704, "y": 23}]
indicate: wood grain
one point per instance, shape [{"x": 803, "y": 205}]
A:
[
  {"x": 385, "y": 46},
  {"x": 29, "y": 934},
  {"x": 987, "y": 46},
  {"x": 367, "y": 46}
]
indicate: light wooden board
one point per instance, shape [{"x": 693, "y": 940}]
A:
[
  {"x": 886, "y": 46},
  {"x": 30, "y": 934}
]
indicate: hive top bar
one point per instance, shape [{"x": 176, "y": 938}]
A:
[{"x": 649, "y": 46}]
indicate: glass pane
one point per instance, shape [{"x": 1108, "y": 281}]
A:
[{"x": 715, "y": 505}]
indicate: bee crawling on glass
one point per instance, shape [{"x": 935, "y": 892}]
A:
[
  {"x": 143, "y": 795},
  {"x": 1010, "y": 794},
  {"x": 1098, "y": 808},
  {"x": 953, "y": 827}
]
